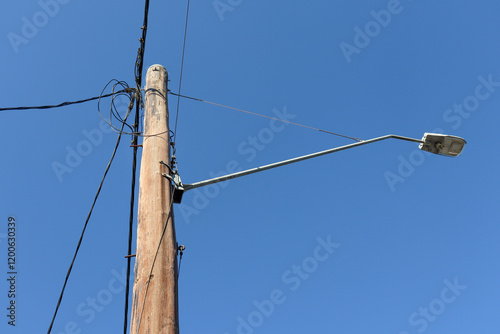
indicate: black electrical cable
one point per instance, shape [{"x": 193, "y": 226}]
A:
[
  {"x": 113, "y": 113},
  {"x": 113, "y": 110},
  {"x": 87, "y": 220},
  {"x": 64, "y": 104},
  {"x": 131, "y": 218},
  {"x": 139, "y": 64}
]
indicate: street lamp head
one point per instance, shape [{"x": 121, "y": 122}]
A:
[{"x": 450, "y": 146}]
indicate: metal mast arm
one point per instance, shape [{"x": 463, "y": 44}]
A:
[{"x": 290, "y": 161}]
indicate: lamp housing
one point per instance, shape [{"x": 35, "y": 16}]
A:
[{"x": 450, "y": 146}]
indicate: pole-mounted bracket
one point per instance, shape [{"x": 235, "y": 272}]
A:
[{"x": 178, "y": 187}]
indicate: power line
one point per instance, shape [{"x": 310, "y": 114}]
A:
[
  {"x": 131, "y": 217},
  {"x": 114, "y": 113},
  {"x": 64, "y": 104},
  {"x": 139, "y": 64},
  {"x": 182, "y": 67},
  {"x": 269, "y": 117},
  {"x": 88, "y": 218}
]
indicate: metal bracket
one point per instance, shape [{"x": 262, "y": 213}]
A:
[{"x": 177, "y": 183}]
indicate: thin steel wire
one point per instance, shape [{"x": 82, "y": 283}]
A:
[
  {"x": 269, "y": 117},
  {"x": 182, "y": 68}
]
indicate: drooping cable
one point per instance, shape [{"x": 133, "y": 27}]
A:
[
  {"x": 269, "y": 117},
  {"x": 182, "y": 68},
  {"x": 114, "y": 113},
  {"x": 64, "y": 104},
  {"x": 88, "y": 219}
]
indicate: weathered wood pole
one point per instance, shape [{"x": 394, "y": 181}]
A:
[{"x": 155, "y": 302}]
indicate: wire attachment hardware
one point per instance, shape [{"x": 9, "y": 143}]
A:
[
  {"x": 174, "y": 177},
  {"x": 180, "y": 250}
]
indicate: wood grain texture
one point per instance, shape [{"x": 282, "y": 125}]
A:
[{"x": 158, "y": 312}]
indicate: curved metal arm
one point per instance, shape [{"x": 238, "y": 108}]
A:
[{"x": 290, "y": 161}]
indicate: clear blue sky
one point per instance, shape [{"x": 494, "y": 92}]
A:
[{"x": 377, "y": 239}]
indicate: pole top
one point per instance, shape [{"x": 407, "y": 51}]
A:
[
  {"x": 157, "y": 73},
  {"x": 157, "y": 67}
]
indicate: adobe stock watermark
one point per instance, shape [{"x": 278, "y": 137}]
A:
[
  {"x": 292, "y": 278},
  {"x": 454, "y": 116},
  {"x": 365, "y": 34},
  {"x": 248, "y": 149},
  {"x": 32, "y": 25},
  {"x": 12, "y": 271},
  {"x": 223, "y": 6},
  {"x": 429, "y": 313},
  {"x": 88, "y": 310},
  {"x": 75, "y": 154}
]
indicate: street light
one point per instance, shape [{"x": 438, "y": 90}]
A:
[
  {"x": 450, "y": 146},
  {"x": 435, "y": 143}
]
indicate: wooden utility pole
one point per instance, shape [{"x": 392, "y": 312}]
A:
[{"x": 155, "y": 303}]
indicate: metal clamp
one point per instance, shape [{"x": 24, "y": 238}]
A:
[{"x": 177, "y": 183}]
